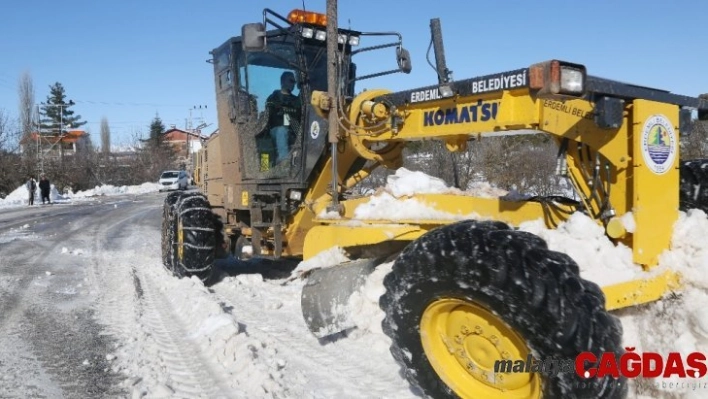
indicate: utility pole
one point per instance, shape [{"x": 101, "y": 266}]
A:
[{"x": 332, "y": 61}]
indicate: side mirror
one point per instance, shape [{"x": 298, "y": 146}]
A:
[
  {"x": 404, "y": 60},
  {"x": 253, "y": 37}
]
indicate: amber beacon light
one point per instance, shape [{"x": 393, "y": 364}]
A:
[{"x": 308, "y": 17}]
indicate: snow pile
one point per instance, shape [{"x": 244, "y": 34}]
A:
[
  {"x": 484, "y": 190},
  {"x": 324, "y": 259},
  {"x": 359, "y": 366},
  {"x": 387, "y": 207},
  {"x": 689, "y": 252},
  {"x": 108, "y": 190},
  {"x": 364, "y": 303},
  {"x": 392, "y": 202},
  {"x": 20, "y": 195},
  {"x": 677, "y": 323},
  {"x": 585, "y": 241},
  {"x": 408, "y": 183}
]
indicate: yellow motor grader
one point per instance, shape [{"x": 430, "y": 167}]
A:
[{"x": 463, "y": 292}]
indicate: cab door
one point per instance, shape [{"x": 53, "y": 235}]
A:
[{"x": 259, "y": 82}]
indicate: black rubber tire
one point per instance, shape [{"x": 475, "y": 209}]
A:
[
  {"x": 693, "y": 192},
  {"x": 537, "y": 292},
  {"x": 168, "y": 228},
  {"x": 192, "y": 210}
]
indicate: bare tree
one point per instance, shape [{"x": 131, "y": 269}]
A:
[
  {"x": 105, "y": 136},
  {"x": 12, "y": 171},
  {"x": 27, "y": 112},
  {"x": 4, "y": 131}
]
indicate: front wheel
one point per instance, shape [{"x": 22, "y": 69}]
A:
[
  {"x": 467, "y": 299},
  {"x": 194, "y": 242},
  {"x": 693, "y": 192}
]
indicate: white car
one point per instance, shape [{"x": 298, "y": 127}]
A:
[{"x": 173, "y": 180}]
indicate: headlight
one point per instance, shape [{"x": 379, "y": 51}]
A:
[
  {"x": 320, "y": 35},
  {"x": 353, "y": 40},
  {"x": 553, "y": 78},
  {"x": 341, "y": 38},
  {"x": 295, "y": 195},
  {"x": 571, "y": 80},
  {"x": 307, "y": 33}
]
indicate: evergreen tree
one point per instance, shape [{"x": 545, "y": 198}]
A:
[
  {"x": 158, "y": 154},
  {"x": 157, "y": 128},
  {"x": 57, "y": 113}
]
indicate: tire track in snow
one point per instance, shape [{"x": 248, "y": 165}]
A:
[
  {"x": 191, "y": 374},
  {"x": 169, "y": 363}
]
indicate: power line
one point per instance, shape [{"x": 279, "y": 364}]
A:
[{"x": 129, "y": 103}]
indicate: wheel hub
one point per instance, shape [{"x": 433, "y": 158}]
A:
[
  {"x": 180, "y": 241},
  {"x": 463, "y": 341}
]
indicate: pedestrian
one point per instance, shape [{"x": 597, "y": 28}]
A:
[
  {"x": 44, "y": 188},
  {"x": 31, "y": 186}
]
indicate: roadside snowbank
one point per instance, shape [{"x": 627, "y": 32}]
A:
[{"x": 20, "y": 195}]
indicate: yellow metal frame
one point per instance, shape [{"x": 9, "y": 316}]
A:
[{"x": 651, "y": 197}]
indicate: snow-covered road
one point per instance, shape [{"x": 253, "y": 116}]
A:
[
  {"x": 87, "y": 310},
  {"x": 50, "y": 343}
]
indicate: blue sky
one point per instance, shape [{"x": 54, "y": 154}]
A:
[{"x": 129, "y": 60}]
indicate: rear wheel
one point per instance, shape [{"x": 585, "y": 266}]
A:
[
  {"x": 194, "y": 241},
  {"x": 693, "y": 191},
  {"x": 468, "y": 295},
  {"x": 169, "y": 228}
]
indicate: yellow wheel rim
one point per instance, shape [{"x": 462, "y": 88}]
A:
[
  {"x": 463, "y": 340},
  {"x": 180, "y": 241}
]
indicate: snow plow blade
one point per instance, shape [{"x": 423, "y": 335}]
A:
[{"x": 325, "y": 296}]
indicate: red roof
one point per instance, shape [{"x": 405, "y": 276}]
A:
[
  {"x": 71, "y": 136},
  {"x": 180, "y": 135}
]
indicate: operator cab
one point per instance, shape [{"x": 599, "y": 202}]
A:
[
  {"x": 279, "y": 136},
  {"x": 273, "y": 90},
  {"x": 266, "y": 91}
]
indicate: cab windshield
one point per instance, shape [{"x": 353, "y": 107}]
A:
[{"x": 273, "y": 89}]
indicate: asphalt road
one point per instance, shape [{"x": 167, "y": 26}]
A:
[{"x": 51, "y": 345}]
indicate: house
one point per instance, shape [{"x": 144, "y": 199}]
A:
[
  {"x": 70, "y": 143},
  {"x": 183, "y": 142}
]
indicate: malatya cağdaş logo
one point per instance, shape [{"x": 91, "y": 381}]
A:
[{"x": 630, "y": 364}]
